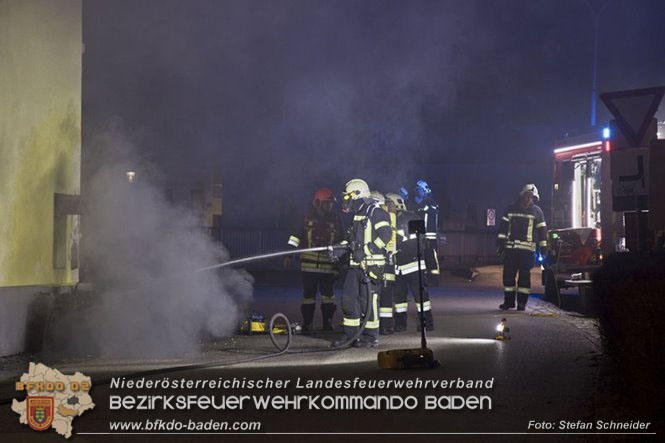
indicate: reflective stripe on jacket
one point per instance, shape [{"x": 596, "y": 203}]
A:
[
  {"x": 521, "y": 226},
  {"x": 371, "y": 233},
  {"x": 313, "y": 231}
]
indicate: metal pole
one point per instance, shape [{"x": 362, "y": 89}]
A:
[{"x": 423, "y": 339}]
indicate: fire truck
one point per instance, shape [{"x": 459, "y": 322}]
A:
[
  {"x": 574, "y": 242},
  {"x": 584, "y": 226}
]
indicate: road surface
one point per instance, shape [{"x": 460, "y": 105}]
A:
[{"x": 549, "y": 373}]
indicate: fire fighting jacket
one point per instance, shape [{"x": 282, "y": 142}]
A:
[
  {"x": 313, "y": 231},
  {"x": 428, "y": 210},
  {"x": 369, "y": 235},
  {"x": 407, "y": 245},
  {"x": 391, "y": 249},
  {"x": 519, "y": 226}
]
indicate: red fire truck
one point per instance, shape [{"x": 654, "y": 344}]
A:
[
  {"x": 575, "y": 238},
  {"x": 584, "y": 226}
]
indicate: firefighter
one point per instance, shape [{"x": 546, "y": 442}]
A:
[
  {"x": 368, "y": 237},
  {"x": 516, "y": 242},
  {"x": 320, "y": 227},
  {"x": 407, "y": 278},
  {"x": 386, "y": 324},
  {"x": 404, "y": 195},
  {"x": 428, "y": 210}
]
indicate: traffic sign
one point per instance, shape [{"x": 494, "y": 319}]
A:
[
  {"x": 491, "y": 217},
  {"x": 630, "y": 179},
  {"x": 634, "y": 111}
]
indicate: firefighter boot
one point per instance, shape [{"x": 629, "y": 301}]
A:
[
  {"x": 340, "y": 343},
  {"x": 400, "y": 321},
  {"x": 307, "y": 310},
  {"x": 386, "y": 326},
  {"x": 521, "y": 301},
  {"x": 366, "y": 343},
  {"x": 508, "y": 301},
  {"x": 345, "y": 342},
  {"x": 327, "y": 312},
  {"x": 429, "y": 321}
]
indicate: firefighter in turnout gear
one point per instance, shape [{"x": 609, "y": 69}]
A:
[
  {"x": 366, "y": 243},
  {"x": 407, "y": 271},
  {"x": 386, "y": 323},
  {"x": 404, "y": 195},
  {"x": 521, "y": 224},
  {"x": 320, "y": 227},
  {"x": 428, "y": 210}
]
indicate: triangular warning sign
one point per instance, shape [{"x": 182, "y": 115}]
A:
[{"x": 634, "y": 110}]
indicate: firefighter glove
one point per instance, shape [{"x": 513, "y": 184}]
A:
[
  {"x": 358, "y": 254},
  {"x": 337, "y": 252}
]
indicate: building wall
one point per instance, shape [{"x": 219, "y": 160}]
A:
[
  {"x": 40, "y": 138},
  {"x": 40, "y": 149}
]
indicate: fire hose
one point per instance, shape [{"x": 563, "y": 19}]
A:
[
  {"x": 281, "y": 350},
  {"x": 285, "y": 348}
]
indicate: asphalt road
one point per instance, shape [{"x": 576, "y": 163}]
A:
[{"x": 548, "y": 372}]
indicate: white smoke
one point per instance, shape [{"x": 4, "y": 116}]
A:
[{"x": 143, "y": 253}]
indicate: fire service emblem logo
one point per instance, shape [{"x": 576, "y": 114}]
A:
[
  {"x": 40, "y": 412},
  {"x": 70, "y": 398}
]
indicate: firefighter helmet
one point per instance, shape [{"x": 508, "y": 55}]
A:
[
  {"x": 355, "y": 189},
  {"x": 397, "y": 200},
  {"x": 376, "y": 195},
  {"x": 404, "y": 193},
  {"x": 322, "y": 196},
  {"x": 422, "y": 189},
  {"x": 531, "y": 188},
  {"x": 355, "y": 193}
]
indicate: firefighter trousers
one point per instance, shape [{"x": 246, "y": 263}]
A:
[
  {"x": 323, "y": 283},
  {"x": 517, "y": 263},
  {"x": 386, "y": 307},
  {"x": 403, "y": 284},
  {"x": 357, "y": 288}
]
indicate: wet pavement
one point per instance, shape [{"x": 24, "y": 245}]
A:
[{"x": 548, "y": 372}]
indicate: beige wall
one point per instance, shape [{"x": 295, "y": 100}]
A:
[{"x": 40, "y": 138}]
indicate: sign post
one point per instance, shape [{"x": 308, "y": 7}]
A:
[{"x": 633, "y": 131}]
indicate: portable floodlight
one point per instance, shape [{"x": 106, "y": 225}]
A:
[
  {"x": 422, "y": 357},
  {"x": 502, "y": 330}
]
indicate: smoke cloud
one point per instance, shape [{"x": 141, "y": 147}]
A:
[
  {"x": 142, "y": 253},
  {"x": 286, "y": 96}
]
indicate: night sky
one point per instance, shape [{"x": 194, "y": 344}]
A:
[{"x": 283, "y": 96}]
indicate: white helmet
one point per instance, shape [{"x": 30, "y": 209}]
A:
[
  {"x": 531, "y": 188},
  {"x": 355, "y": 189},
  {"x": 397, "y": 200},
  {"x": 376, "y": 195}
]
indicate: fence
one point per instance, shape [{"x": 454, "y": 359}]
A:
[{"x": 468, "y": 248}]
